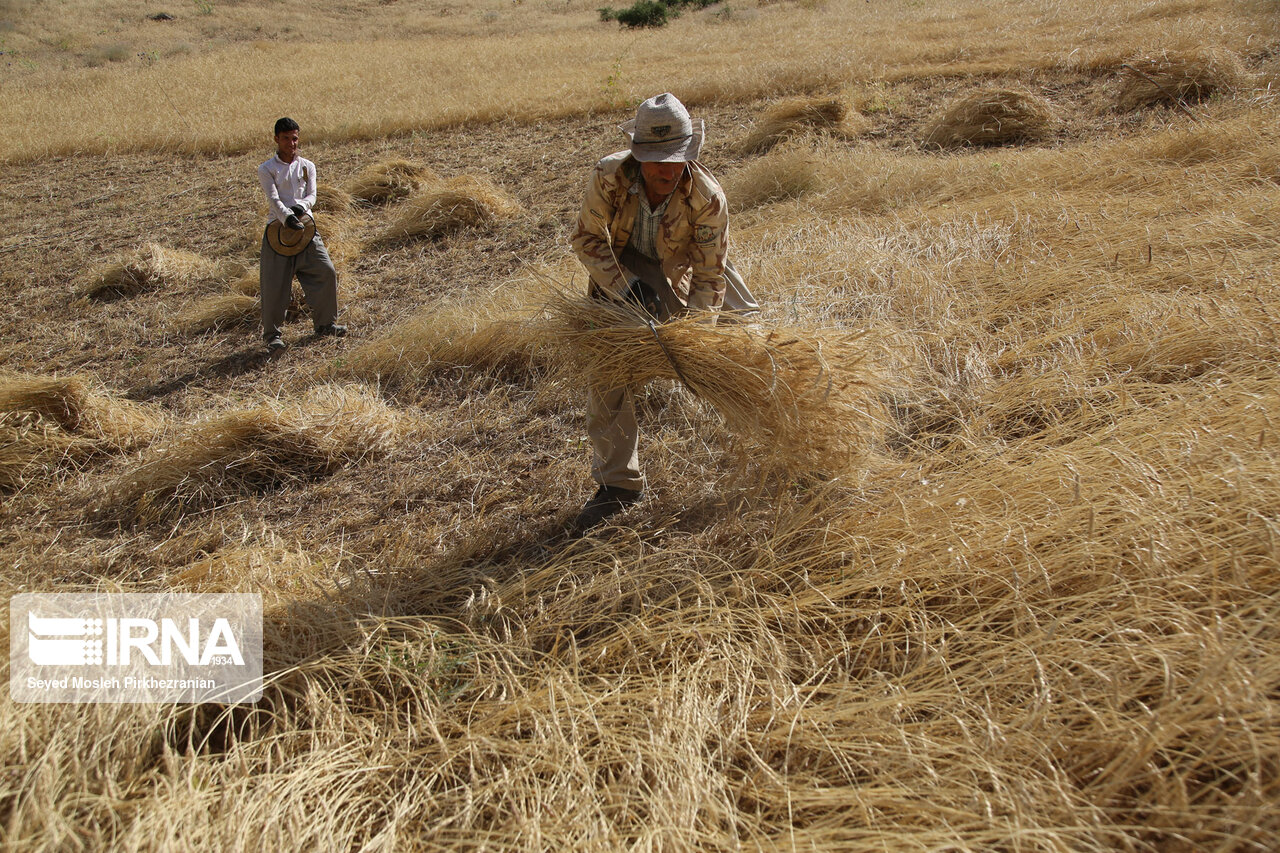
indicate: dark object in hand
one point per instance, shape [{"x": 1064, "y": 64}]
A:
[
  {"x": 294, "y": 222},
  {"x": 299, "y": 210},
  {"x": 645, "y": 296}
]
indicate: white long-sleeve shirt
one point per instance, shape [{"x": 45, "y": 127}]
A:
[{"x": 287, "y": 184}]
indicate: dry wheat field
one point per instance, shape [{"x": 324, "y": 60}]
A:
[{"x": 971, "y": 543}]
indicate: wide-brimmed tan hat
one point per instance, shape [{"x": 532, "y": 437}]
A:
[
  {"x": 288, "y": 242},
  {"x": 662, "y": 131}
]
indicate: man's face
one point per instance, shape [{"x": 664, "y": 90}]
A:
[
  {"x": 287, "y": 144},
  {"x": 661, "y": 178}
]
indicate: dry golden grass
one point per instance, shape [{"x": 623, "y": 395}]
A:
[
  {"x": 793, "y": 116},
  {"x": 279, "y": 575},
  {"x": 463, "y": 202},
  {"x": 29, "y": 449},
  {"x": 811, "y": 398},
  {"x": 1040, "y": 616},
  {"x": 514, "y": 67},
  {"x": 47, "y": 422},
  {"x": 787, "y": 172},
  {"x": 343, "y": 239},
  {"x": 247, "y": 450},
  {"x": 993, "y": 115},
  {"x": 153, "y": 267},
  {"x": 495, "y": 332},
  {"x": 223, "y": 311},
  {"x": 1179, "y": 76},
  {"x": 390, "y": 181},
  {"x": 332, "y": 200},
  {"x": 76, "y": 406},
  {"x": 247, "y": 284}
]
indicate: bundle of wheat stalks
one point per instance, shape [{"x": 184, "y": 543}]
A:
[
  {"x": 794, "y": 116},
  {"x": 152, "y": 267},
  {"x": 252, "y": 450},
  {"x": 1173, "y": 76},
  {"x": 28, "y": 447},
  {"x": 392, "y": 180},
  {"x": 46, "y": 420},
  {"x": 810, "y": 397},
  {"x": 462, "y": 202},
  {"x": 994, "y": 115},
  {"x": 220, "y": 311}
]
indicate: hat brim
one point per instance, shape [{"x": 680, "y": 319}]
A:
[
  {"x": 288, "y": 242},
  {"x": 678, "y": 151}
]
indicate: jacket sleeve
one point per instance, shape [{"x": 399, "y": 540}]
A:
[
  {"x": 274, "y": 204},
  {"x": 707, "y": 254},
  {"x": 308, "y": 199},
  {"x": 591, "y": 239}
]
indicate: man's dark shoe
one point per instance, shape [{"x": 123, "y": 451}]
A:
[
  {"x": 276, "y": 344},
  {"x": 607, "y": 501},
  {"x": 331, "y": 329}
]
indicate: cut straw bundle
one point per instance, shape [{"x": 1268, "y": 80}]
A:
[
  {"x": 333, "y": 200},
  {"x": 252, "y": 450},
  {"x": 28, "y": 448},
  {"x": 462, "y": 202},
  {"x": 276, "y": 573},
  {"x": 247, "y": 284},
  {"x": 810, "y": 397},
  {"x": 784, "y": 173},
  {"x": 222, "y": 311},
  {"x": 793, "y": 116},
  {"x": 389, "y": 181},
  {"x": 76, "y": 408},
  {"x": 1176, "y": 76},
  {"x": 437, "y": 341},
  {"x": 46, "y": 421},
  {"x": 993, "y": 116},
  {"x": 150, "y": 268}
]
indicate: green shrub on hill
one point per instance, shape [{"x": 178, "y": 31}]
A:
[{"x": 650, "y": 13}]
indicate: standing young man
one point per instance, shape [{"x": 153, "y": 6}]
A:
[
  {"x": 290, "y": 245},
  {"x": 653, "y": 229}
]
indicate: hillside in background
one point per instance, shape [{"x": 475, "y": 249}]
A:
[{"x": 1032, "y": 606}]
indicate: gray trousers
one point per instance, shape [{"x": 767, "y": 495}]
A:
[{"x": 315, "y": 273}]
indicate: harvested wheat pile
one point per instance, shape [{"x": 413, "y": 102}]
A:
[
  {"x": 341, "y": 238},
  {"x": 993, "y": 116},
  {"x": 247, "y": 284},
  {"x": 251, "y": 450},
  {"x": 76, "y": 407},
  {"x": 462, "y": 202},
  {"x": 391, "y": 181},
  {"x": 496, "y": 332},
  {"x": 47, "y": 421},
  {"x": 275, "y": 572},
  {"x": 811, "y": 398},
  {"x": 29, "y": 448},
  {"x": 224, "y": 311},
  {"x": 333, "y": 200},
  {"x": 434, "y": 342},
  {"x": 785, "y": 173},
  {"x": 153, "y": 267},
  {"x": 1178, "y": 77},
  {"x": 794, "y": 116}
]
